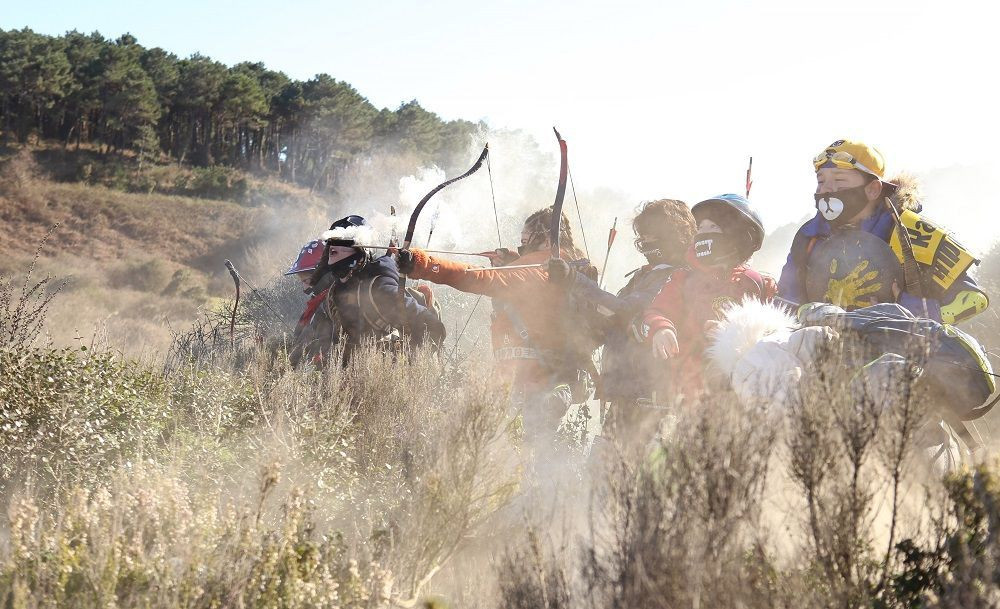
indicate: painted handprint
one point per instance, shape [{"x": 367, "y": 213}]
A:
[{"x": 856, "y": 289}]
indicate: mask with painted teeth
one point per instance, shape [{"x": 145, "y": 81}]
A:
[{"x": 715, "y": 248}]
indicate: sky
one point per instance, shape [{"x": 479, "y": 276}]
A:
[{"x": 656, "y": 99}]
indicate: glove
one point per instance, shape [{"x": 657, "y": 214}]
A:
[
  {"x": 560, "y": 272},
  {"x": 436, "y": 332},
  {"x": 501, "y": 256},
  {"x": 406, "y": 261}
]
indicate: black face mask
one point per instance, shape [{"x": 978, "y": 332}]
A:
[
  {"x": 838, "y": 208},
  {"x": 650, "y": 248},
  {"x": 711, "y": 249},
  {"x": 533, "y": 244}
]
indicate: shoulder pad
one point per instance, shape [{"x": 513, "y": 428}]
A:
[{"x": 933, "y": 247}]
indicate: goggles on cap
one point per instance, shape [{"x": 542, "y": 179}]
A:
[{"x": 841, "y": 159}]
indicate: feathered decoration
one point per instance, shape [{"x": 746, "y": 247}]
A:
[{"x": 359, "y": 234}]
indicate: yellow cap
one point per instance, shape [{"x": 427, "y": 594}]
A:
[{"x": 852, "y": 154}]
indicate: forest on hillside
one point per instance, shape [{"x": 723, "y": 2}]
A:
[{"x": 125, "y": 98}]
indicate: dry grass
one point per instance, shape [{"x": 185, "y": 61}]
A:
[
  {"x": 101, "y": 224},
  {"x": 826, "y": 504},
  {"x": 233, "y": 480},
  {"x": 374, "y": 476}
]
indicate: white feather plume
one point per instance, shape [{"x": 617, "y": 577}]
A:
[
  {"x": 743, "y": 325},
  {"x": 364, "y": 235}
]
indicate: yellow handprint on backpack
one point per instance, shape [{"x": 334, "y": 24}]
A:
[{"x": 855, "y": 289}]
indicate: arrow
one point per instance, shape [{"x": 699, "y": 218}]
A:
[{"x": 611, "y": 240}]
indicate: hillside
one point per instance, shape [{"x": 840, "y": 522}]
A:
[{"x": 138, "y": 263}]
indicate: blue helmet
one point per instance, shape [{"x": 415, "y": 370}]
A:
[{"x": 732, "y": 208}]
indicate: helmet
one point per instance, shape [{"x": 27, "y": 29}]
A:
[
  {"x": 343, "y": 256},
  {"x": 734, "y": 208},
  {"x": 308, "y": 259},
  {"x": 344, "y": 231}
]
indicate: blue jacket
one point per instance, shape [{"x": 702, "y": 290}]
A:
[
  {"x": 365, "y": 306},
  {"x": 792, "y": 284},
  {"x": 368, "y": 304},
  {"x": 627, "y": 371}
]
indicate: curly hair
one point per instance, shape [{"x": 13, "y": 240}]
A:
[{"x": 671, "y": 222}]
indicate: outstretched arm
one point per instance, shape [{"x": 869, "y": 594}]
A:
[{"x": 476, "y": 280}]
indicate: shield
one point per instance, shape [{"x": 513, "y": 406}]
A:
[{"x": 852, "y": 269}]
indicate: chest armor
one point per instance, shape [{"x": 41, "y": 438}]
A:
[{"x": 355, "y": 305}]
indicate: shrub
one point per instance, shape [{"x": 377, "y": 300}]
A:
[
  {"x": 22, "y": 312},
  {"x": 150, "y": 275},
  {"x": 146, "y": 539},
  {"x": 69, "y": 414},
  {"x": 185, "y": 283},
  {"x": 216, "y": 182},
  {"x": 405, "y": 466}
]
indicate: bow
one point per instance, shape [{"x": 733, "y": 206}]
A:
[
  {"x": 555, "y": 225},
  {"x": 412, "y": 225},
  {"x": 236, "y": 302}
]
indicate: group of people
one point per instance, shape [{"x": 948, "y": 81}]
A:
[{"x": 866, "y": 247}]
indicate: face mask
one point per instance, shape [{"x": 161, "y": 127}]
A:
[
  {"x": 342, "y": 259},
  {"x": 649, "y": 248},
  {"x": 711, "y": 249},
  {"x": 534, "y": 243},
  {"x": 838, "y": 208}
]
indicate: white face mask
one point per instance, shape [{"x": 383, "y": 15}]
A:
[{"x": 830, "y": 208}]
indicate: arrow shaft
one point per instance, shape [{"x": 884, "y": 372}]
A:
[
  {"x": 392, "y": 247},
  {"x": 514, "y": 267}
]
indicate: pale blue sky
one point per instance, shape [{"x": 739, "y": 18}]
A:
[{"x": 656, "y": 99}]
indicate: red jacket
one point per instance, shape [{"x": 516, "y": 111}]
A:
[{"x": 690, "y": 298}]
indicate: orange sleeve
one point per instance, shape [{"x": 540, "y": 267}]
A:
[{"x": 476, "y": 281}]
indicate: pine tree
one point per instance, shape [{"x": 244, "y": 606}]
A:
[
  {"x": 129, "y": 104},
  {"x": 34, "y": 75}
]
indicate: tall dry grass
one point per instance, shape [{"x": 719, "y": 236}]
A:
[
  {"x": 828, "y": 501},
  {"x": 250, "y": 485},
  {"x": 228, "y": 478}
]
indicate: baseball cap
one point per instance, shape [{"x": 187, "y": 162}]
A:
[{"x": 852, "y": 154}]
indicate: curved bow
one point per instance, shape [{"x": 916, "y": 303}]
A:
[
  {"x": 556, "y": 223},
  {"x": 411, "y": 227}
]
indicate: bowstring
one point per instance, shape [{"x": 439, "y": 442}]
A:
[
  {"x": 496, "y": 218},
  {"x": 579, "y": 216}
]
